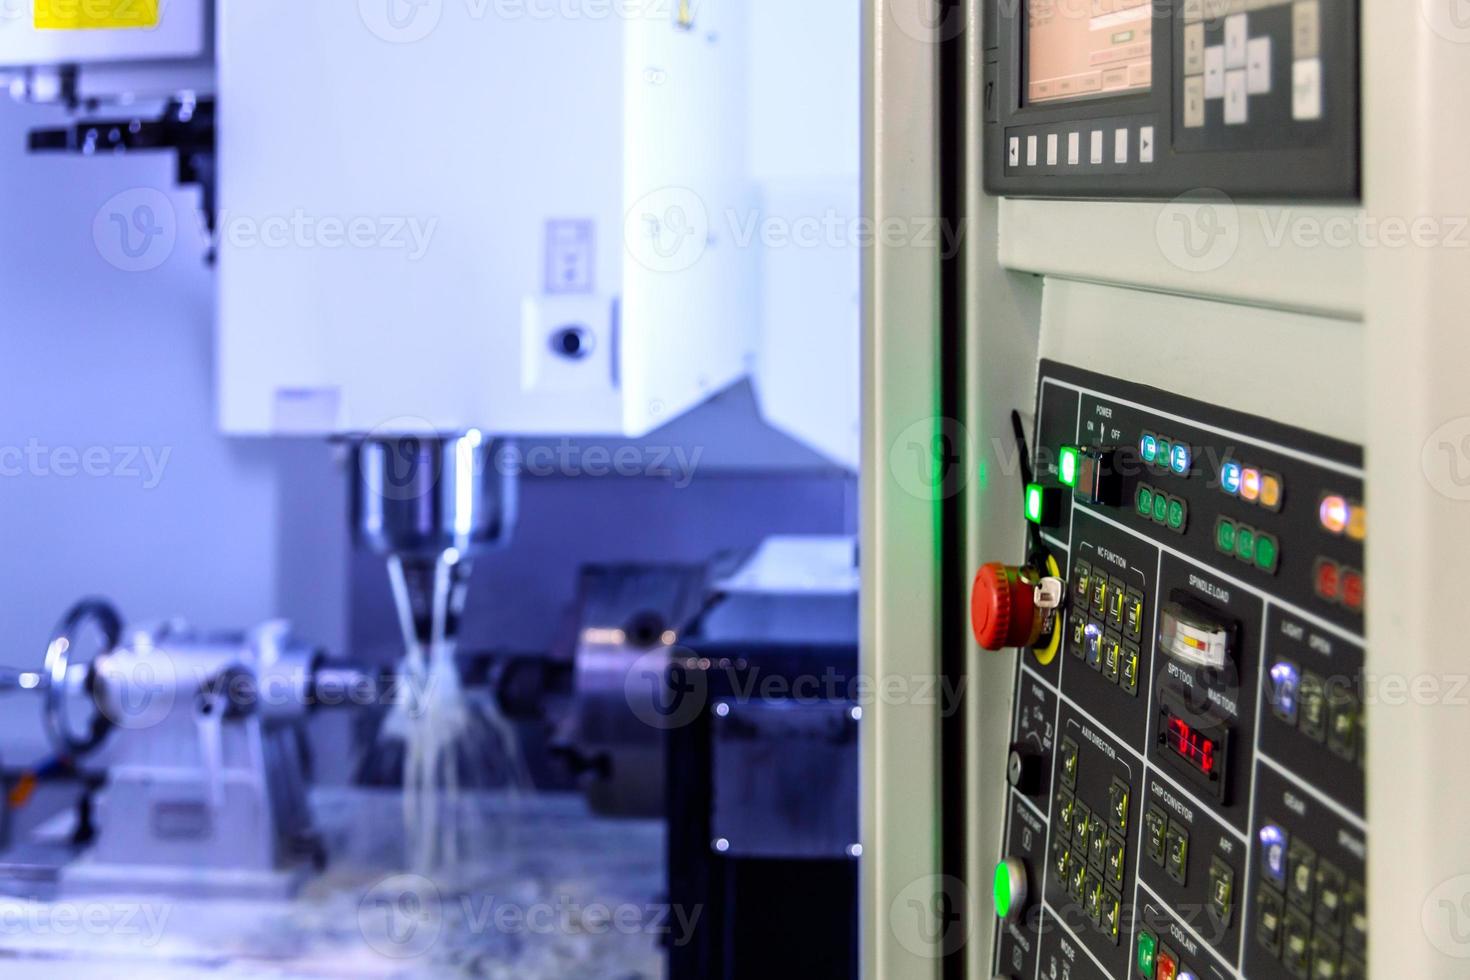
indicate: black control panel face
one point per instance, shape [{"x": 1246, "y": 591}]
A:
[
  {"x": 1156, "y": 98},
  {"x": 1187, "y": 777}
]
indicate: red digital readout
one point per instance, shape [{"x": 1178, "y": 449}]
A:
[{"x": 1190, "y": 744}]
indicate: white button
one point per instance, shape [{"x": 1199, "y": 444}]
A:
[
  {"x": 1215, "y": 72},
  {"x": 1306, "y": 89},
  {"x": 1120, "y": 146},
  {"x": 1237, "y": 105},
  {"x": 1074, "y": 149},
  {"x": 1235, "y": 41},
  {"x": 1031, "y": 151},
  {"x": 1013, "y": 157},
  {"x": 1194, "y": 49},
  {"x": 1258, "y": 66},
  {"x": 1194, "y": 102},
  {"x": 1306, "y": 30},
  {"x": 1097, "y": 147},
  {"x": 1146, "y": 145},
  {"x": 1051, "y": 150}
]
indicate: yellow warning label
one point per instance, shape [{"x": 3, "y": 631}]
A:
[{"x": 82, "y": 15}]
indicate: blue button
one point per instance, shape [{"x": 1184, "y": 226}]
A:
[
  {"x": 1148, "y": 447},
  {"x": 1180, "y": 459},
  {"x": 1273, "y": 853},
  {"x": 1230, "y": 478}
]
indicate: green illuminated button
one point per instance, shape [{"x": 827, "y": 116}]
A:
[
  {"x": 1148, "y": 954},
  {"x": 1267, "y": 553},
  {"x": 1145, "y": 501},
  {"x": 1225, "y": 536},
  {"x": 1176, "y": 514},
  {"x": 1067, "y": 466},
  {"x": 1009, "y": 888},
  {"x": 1161, "y": 508},
  {"x": 1245, "y": 543},
  {"x": 1161, "y": 452},
  {"x": 1035, "y": 503}
]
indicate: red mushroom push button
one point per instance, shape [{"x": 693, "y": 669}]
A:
[{"x": 1011, "y": 606}]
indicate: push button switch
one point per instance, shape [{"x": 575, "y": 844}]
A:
[
  {"x": 1155, "y": 834},
  {"x": 1268, "y": 922},
  {"x": 1301, "y": 876},
  {"x": 1176, "y": 854},
  {"x": 1222, "y": 892}
]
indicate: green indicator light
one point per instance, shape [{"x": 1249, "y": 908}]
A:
[
  {"x": 1266, "y": 553},
  {"x": 1245, "y": 544},
  {"x": 1002, "y": 891},
  {"x": 1145, "y": 502},
  {"x": 1161, "y": 508},
  {"x": 1067, "y": 466},
  {"x": 1162, "y": 449},
  {"x": 1225, "y": 537},
  {"x": 1034, "y": 501},
  {"x": 1176, "y": 514},
  {"x": 1148, "y": 953}
]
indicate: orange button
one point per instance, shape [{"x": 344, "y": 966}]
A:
[
  {"x": 1271, "y": 491},
  {"x": 1357, "y": 528}
]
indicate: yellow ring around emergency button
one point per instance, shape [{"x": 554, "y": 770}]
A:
[{"x": 1045, "y": 655}]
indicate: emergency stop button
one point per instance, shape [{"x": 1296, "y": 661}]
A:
[{"x": 1003, "y": 609}]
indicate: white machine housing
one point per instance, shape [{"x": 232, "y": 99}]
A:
[{"x": 485, "y": 180}]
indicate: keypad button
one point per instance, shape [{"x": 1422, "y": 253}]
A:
[
  {"x": 1268, "y": 921},
  {"x": 1069, "y": 763},
  {"x": 1237, "y": 103},
  {"x": 1306, "y": 29},
  {"x": 1074, "y": 149},
  {"x": 1301, "y": 876},
  {"x": 1194, "y": 49},
  {"x": 1237, "y": 32},
  {"x": 1051, "y": 149},
  {"x": 1331, "y": 885},
  {"x": 1176, "y": 854},
  {"x": 1128, "y": 673},
  {"x": 1258, "y": 66},
  {"x": 1296, "y": 944},
  {"x": 1155, "y": 835},
  {"x": 1306, "y": 90},
  {"x": 1215, "y": 72},
  {"x": 1194, "y": 102},
  {"x": 1013, "y": 153}
]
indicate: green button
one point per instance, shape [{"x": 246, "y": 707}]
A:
[
  {"x": 1245, "y": 544},
  {"x": 1145, "y": 502},
  {"x": 1161, "y": 508},
  {"x": 1001, "y": 890},
  {"x": 1067, "y": 466},
  {"x": 1148, "y": 954},
  {"x": 1035, "y": 504},
  {"x": 1161, "y": 454},
  {"x": 1266, "y": 553},
  {"x": 1225, "y": 536},
  {"x": 1176, "y": 514}
]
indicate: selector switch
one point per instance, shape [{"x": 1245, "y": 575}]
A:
[{"x": 1024, "y": 770}]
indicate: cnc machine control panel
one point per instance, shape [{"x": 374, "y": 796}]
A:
[
  {"x": 1187, "y": 760},
  {"x": 1153, "y": 98}
]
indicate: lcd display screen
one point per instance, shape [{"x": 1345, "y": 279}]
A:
[{"x": 1084, "y": 49}]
